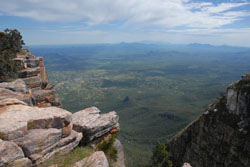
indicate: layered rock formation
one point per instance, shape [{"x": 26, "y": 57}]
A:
[
  {"x": 34, "y": 135},
  {"x": 221, "y": 136},
  {"x": 33, "y": 130},
  {"x": 33, "y": 87},
  {"x": 93, "y": 124}
]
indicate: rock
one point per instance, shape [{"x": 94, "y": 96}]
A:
[
  {"x": 38, "y": 142},
  {"x": 33, "y": 82},
  {"x": 11, "y": 101},
  {"x": 120, "y": 155},
  {"x": 97, "y": 159},
  {"x": 186, "y": 165},
  {"x": 64, "y": 146},
  {"x": 93, "y": 124},
  {"x": 30, "y": 72},
  {"x": 32, "y": 62},
  {"x": 41, "y": 144},
  {"x": 44, "y": 96},
  {"x": 8, "y": 94},
  {"x": 16, "y": 86},
  {"x": 9, "y": 152},
  {"x": 219, "y": 138},
  {"x": 24, "y": 162},
  {"x": 16, "y": 120}
]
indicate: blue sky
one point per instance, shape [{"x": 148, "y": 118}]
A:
[{"x": 43, "y": 22}]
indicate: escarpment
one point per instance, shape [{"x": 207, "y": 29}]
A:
[
  {"x": 33, "y": 129},
  {"x": 220, "y": 137},
  {"x": 33, "y": 86}
]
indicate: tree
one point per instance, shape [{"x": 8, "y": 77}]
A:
[
  {"x": 10, "y": 44},
  {"x": 161, "y": 157}
]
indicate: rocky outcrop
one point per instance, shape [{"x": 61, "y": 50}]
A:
[
  {"x": 98, "y": 159},
  {"x": 120, "y": 162},
  {"x": 33, "y": 82},
  {"x": 33, "y": 129},
  {"x": 93, "y": 124},
  {"x": 221, "y": 136},
  {"x": 35, "y": 133}
]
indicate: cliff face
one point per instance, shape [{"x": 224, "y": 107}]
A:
[
  {"x": 33, "y": 86},
  {"x": 33, "y": 128},
  {"x": 220, "y": 137}
]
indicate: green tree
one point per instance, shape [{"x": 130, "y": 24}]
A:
[
  {"x": 10, "y": 44},
  {"x": 161, "y": 157}
]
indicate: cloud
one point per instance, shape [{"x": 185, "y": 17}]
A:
[{"x": 165, "y": 13}]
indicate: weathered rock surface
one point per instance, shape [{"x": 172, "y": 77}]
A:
[
  {"x": 120, "y": 155},
  {"x": 16, "y": 86},
  {"x": 98, "y": 159},
  {"x": 16, "y": 120},
  {"x": 93, "y": 124},
  {"x": 10, "y": 152},
  {"x": 41, "y": 144},
  {"x": 34, "y": 82},
  {"x": 8, "y": 94},
  {"x": 221, "y": 136}
]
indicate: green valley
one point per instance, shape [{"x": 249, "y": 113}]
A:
[{"x": 156, "y": 89}]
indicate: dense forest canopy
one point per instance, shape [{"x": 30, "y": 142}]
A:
[{"x": 10, "y": 44}]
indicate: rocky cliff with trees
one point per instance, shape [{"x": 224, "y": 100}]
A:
[
  {"x": 220, "y": 137},
  {"x": 35, "y": 131}
]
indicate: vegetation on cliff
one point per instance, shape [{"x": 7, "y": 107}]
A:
[
  {"x": 107, "y": 146},
  {"x": 10, "y": 44}
]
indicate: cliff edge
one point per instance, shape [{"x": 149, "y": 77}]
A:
[
  {"x": 33, "y": 129},
  {"x": 220, "y": 137}
]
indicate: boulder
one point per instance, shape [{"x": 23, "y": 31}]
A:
[
  {"x": 93, "y": 124},
  {"x": 97, "y": 159},
  {"x": 64, "y": 146},
  {"x": 16, "y": 120},
  {"x": 38, "y": 142},
  {"x": 8, "y": 94},
  {"x": 41, "y": 144},
  {"x": 33, "y": 82},
  {"x": 16, "y": 86},
  {"x": 9, "y": 152}
]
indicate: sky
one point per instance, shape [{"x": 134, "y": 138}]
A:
[{"x": 46, "y": 22}]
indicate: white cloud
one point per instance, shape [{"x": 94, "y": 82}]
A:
[{"x": 165, "y": 13}]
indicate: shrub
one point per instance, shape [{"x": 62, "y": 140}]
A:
[
  {"x": 161, "y": 157},
  {"x": 108, "y": 148},
  {"x": 10, "y": 43}
]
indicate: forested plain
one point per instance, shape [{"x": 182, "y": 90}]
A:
[{"x": 157, "y": 89}]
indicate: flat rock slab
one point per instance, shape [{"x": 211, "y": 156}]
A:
[
  {"x": 16, "y": 120},
  {"x": 16, "y": 86},
  {"x": 9, "y": 152},
  {"x": 30, "y": 72},
  {"x": 38, "y": 140},
  {"x": 93, "y": 124},
  {"x": 6, "y": 93},
  {"x": 97, "y": 159},
  {"x": 11, "y": 101}
]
